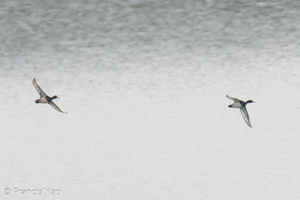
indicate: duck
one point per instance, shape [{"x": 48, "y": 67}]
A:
[
  {"x": 237, "y": 103},
  {"x": 44, "y": 98}
]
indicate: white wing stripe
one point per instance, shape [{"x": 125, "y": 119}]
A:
[
  {"x": 51, "y": 103},
  {"x": 38, "y": 89},
  {"x": 245, "y": 116}
]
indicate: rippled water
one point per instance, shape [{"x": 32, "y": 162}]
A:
[{"x": 144, "y": 83}]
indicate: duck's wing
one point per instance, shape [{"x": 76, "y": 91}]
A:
[
  {"x": 51, "y": 103},
  {"x": 38, "y": 89},
  {"x": 245, "y": 116},
  {"x": 232, "y": 98}
]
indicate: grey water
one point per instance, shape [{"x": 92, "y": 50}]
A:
[{"x": 144, "y": 85}]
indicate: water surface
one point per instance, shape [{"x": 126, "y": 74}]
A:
[{"x": 144, "y": 83}]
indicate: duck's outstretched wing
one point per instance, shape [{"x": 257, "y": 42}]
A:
[
  {"x": 245, "y": 116},
  {"x": 51, "y": 103},
  {"x": 232, "y": 98},
  {"x": 38, "y": 89}
]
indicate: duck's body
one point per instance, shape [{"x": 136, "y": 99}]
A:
[
  {"x": 44, "y": 98},
  {"x": 237, "y": 103}
]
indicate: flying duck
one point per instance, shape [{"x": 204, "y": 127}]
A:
[
  {"x": 242, "y": 106},
  {"x": 44, "y": 98}
]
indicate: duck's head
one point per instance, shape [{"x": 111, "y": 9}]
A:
[
  {"x": 54, "y": 97},
  {"x": 37, "y": 101},
  {"x": 250, "y": 101}
]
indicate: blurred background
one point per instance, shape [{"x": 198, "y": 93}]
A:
[{"x": 144, "y": 85}]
